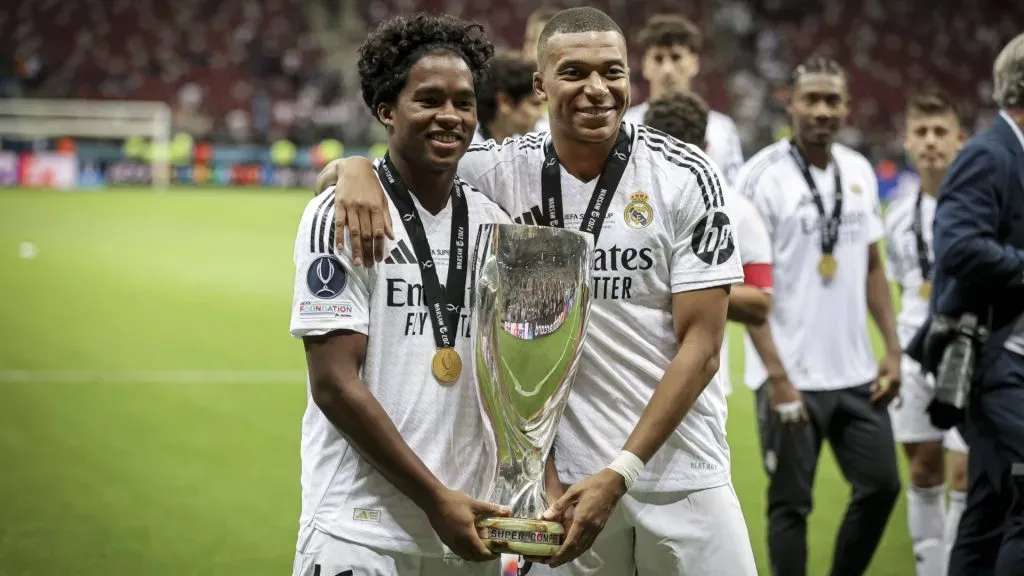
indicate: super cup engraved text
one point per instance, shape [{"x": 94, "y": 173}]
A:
[
  {"x": 403, "y": 294},
  {"x": 520, "y": 536}
]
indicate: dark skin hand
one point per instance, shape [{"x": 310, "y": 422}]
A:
[{"x": 334, "y": 361}]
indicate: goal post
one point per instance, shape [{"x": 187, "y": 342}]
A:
[{"x": 115, "y": 119}]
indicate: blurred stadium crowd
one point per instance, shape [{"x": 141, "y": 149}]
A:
[{"x": 254, "y": 72}]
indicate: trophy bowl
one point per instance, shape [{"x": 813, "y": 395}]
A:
[{"x": 530, "y": 303}]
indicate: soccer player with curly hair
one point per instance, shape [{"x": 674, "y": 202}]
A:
[
  {"x": 392, "y": 463},
  {"x": 641, "y": 447}
]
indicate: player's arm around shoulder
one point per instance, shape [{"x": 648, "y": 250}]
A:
[{"x": 360, "y": 206}]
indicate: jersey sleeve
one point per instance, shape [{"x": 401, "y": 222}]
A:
[
  {"x": 330, "y": 293},
  {"x": 763, "y": 193},
  {"x": 704, "y": 251},
  {"x": 751, "y": 233}
]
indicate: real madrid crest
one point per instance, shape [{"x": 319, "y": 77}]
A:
[{"x": 638, "y": 213}]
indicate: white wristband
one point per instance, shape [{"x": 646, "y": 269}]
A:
[{"x": 628, "y": 466}]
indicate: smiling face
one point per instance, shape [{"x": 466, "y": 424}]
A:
[
  {"x": 585, "y": 81},
  {"x": 818, "y": 107},
  {"x": 433, "y": 119}
]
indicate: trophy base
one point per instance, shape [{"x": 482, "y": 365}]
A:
[{"x": 521, "y": 536}]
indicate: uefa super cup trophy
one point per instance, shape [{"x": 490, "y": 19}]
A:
[{"x": 531, "y": 301}]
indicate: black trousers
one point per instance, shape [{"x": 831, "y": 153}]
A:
[
  {"x": 861, "y": 437},
  {"x": 990, "y": 539}
]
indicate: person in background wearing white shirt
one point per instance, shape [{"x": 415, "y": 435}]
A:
[
  {"x": 642, "y": 441},
  {"x": 506, "y": 105},
  {"x": 684, "y": 115},
  {"x": 671, "y": 45},
  {"x": 933, "y": 137},
  {"x": 819, "y": 201},
  {"x": 392, "y": 462}
]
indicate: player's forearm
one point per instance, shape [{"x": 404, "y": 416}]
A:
[
  {"x": 685, "y": 379},
  {"x": 880, "y": 305},
  {"x": 360, "y": 418},
  {"x": 748, "y": 305},
  {"x": 764, "y": 345}
]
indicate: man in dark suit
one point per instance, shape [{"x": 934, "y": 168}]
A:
[{"x": 979, "y": 253}]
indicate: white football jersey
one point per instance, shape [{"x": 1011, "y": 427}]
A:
[
  {"x": 819, "y": 328},
  {"x": 724, "y": 146},
  {"x": 343, "y": 494},
  {"x": 904, "y": 265},
  {"x": 667, "y": 231},
  {"x": 755, "y": 254}
]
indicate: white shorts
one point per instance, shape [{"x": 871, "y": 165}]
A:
[
  {"x": 697, "y": 532},
  {"x": 910, "y": 421},
  {"x": 909, "y": 414},
  {"x": 954, "y": 442},
  {"x": 325, "y": 555}
]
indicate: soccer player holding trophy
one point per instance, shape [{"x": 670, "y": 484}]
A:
[
  {"x": 642, "y": 442},
  {"x": 395, "y": 454}
]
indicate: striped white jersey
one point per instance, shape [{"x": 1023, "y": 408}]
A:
[
  {"x": 668, "y": 230},
  {"x": 342, "y": 493}
]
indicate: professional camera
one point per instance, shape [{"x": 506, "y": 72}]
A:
[{"x": 958, "y": 341}]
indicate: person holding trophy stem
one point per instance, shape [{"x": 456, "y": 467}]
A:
[
  {"x": 389, "y": 487},
  {"x": 642, "y": 443}
]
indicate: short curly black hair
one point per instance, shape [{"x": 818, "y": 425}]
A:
[
  {"x": 388, "y": 52},
  {"x": 682, "y": 115}
]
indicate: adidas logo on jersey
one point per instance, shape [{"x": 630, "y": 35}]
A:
[
  {"x": 401, "y": 254},
  {"x": 533, "y": 217}
]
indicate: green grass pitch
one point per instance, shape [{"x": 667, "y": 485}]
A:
[{"x": 151, "y": 397}]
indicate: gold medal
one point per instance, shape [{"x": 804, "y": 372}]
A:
[
  {"x": 827, "y": 266},
  {"x": 926, "y": 290},
  {"x": 446, "y": 365}
]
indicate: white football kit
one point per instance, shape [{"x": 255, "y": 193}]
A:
[
  {"x": 910, "y": 420},
  {"x": 807, "y": 342},
  {"x": 667, "y": 231},
  {"x": 724, "y": 146},
  {"x": 352, "y": 517}
]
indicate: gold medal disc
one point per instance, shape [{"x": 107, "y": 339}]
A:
[
  {"x": 446, "y": 365},
  {"x": 926, "y": 290},
  {"x": 827, "y": 266}
]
